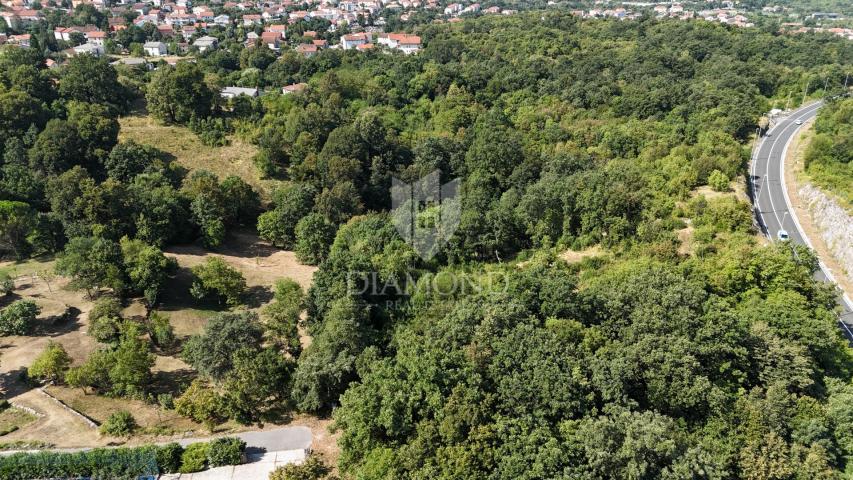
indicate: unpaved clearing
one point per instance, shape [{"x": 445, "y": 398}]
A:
[
  {"x": 260, "y": 263},
  {"x": 185, "y": 148}
]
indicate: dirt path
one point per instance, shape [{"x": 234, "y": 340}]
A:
[
  {"x": 57, "y": 425},
  {"x": 793, "y": 180}
]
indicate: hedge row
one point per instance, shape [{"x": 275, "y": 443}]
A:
[{"x": 121, "y": 463}]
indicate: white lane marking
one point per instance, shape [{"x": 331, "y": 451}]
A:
[
  {"x": 811, "y": 107},
  {"x": 826, "y": 271}
]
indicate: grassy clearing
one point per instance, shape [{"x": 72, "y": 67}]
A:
[
  {"x": 12, "y": 419},
  {"x": 187, "y": 150}
]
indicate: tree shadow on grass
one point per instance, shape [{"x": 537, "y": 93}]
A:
[
  {"x": 174, "y": 382},
  {"x": 257, "y": 296}
]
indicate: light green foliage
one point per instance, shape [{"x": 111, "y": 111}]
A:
[
  {"x": 829, "y": 161},
  {"x": 123, "y": 370},
  {"x": 18, "y": 318},
  {"x": 119, "y": 424},
  {"x": 282, "y": 316},
  {"x": 147, "y": 268},
  {"x": 216, "y": 278},
  {"x": 194, "y": 458},
  {"x": 313, "y": 468},
  {"x": 7, "y": 283},
  {"x": 200, "y": 403},
  {"x": 51, "y": 364},
  {"x": 160, "y": 330},
  {"x": 105, "y": 320},
  {"x": 718, "y": 181}
]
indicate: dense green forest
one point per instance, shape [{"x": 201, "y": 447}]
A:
[
  {"x": 829, "y": 158},
  {"x": 651, "y": 361}
]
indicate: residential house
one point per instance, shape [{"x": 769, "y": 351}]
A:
[
  {"x": 155, "y": 49},
  {"x": 90, "y": 49},
  {"x": 231, "y": 92},
  {"x": 401, "y": 41},
  {"x": 206, "y": 43},
  {"x": 249, "y": 20},
  {"x": 307, "y": 49},
  {"x": 222, "y": 20},
  {"x": 271, "y": 40},
  {"x": 96, "y": 38},
  {"x": 187, "y": 31},
  {"x": 20, "y": 40},
  {"x": 294, "y": 88},
  {"x": 353, "y": 40}
]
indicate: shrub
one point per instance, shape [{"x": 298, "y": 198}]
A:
[
  {"x": 17, "y": 318},
  {"x": 105, "y": 320},
  {"x": 313, "y": 468},
  {"x": 194, "y": 458},
  {"x": 215, "y": 277},
  {"x": 718, "y": 181},
  {"x": 160, "y": 330},
  {"x": 51, "y": 363},
  {"x": 119, "y": 424},
  {"x": 169, "y": 457},
  {"x": 7, "y": 285},
  {"x": 225, "y": 451},
  {"x": 114, "y": 463}
]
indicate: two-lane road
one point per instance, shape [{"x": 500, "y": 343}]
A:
[{"x": 770, "y": 197}]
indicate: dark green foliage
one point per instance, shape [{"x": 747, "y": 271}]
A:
[
  {"x": 114, "y": 463},
  {"x": 105, "y": 320},
  {"x": 314, "y": 236},
  {"x": 17, "y": 223},
  {"x": 257, "y": 384},
  {"x": 279, "y": 224},
  {"x": 93, "y": 80},
  {"x": 177, "y": 94},
  {"x": 92, "y": 263},
  {"x": 225, "y": 451},
  {"x": 169, "y": 457},
  {"x": 212, "y": 353},
  {"x": 128, "y": 159}
]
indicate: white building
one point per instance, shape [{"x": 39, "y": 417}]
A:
[{"x": 155, "y": 49}]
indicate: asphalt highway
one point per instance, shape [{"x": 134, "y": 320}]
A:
[{"x": 770, "y": 197}]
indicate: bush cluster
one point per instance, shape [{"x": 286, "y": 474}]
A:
[{"x": 123, "y": 463}]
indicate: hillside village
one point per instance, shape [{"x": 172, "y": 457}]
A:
[{"x": 144, "y": 33}]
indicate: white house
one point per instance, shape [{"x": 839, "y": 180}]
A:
[
  {"x": 231, "y": 92},
  {"x": 154, "y": 49},
  {"x": 353, "y": 40},
  {"x": 205, "y": 43},
  {"x": 89, "y": 48}
]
